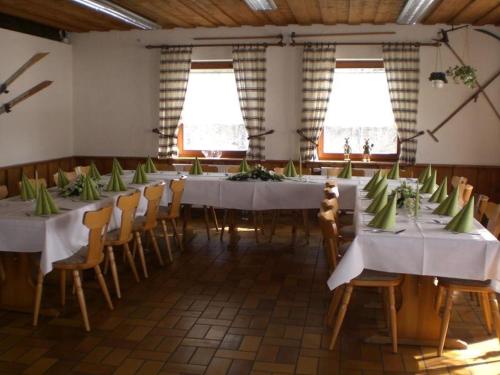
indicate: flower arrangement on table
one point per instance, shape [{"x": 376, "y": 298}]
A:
[
  {"x": 257, "y": 173},
  {"x": 405, "y": 192},
  {"x": 76, "y": 187}
]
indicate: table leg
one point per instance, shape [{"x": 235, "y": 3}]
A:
[
  {"x": 234, "y": 237},
  {"x": 187, "y": 229}
]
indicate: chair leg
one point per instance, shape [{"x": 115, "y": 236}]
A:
[
  {"x": 167, "y": 240},
  {"x": 274, "y": 221},
  {"x": 341, "y": 315},
  {"x": 140, "y": 250},
  {"x": 128, "y": 255},
  {"x": 156, "y": 247},
  {"x": 207, "y": 222},
  {"x": 214, "y": 218},
  {"x": 439, "y": 298},
  {"x": 445, "y": 322},
  {"x": 178, "y": 240},
  {"x": 62, "y": 283},
  {"x": 485, "y": 306},
  {"x": 81, "y": 299},
  {"x": 394, "y": 324},
  {"x": 104, "y": 288},
  {"x": 114, "y": 271},
  {"x": 38, "y": 297},
  {"x": 334, "y": 304},
  {"x": 495, "y": 312},
  {"x": 223, "y": 227}
]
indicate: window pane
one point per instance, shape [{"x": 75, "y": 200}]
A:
[
  {"x": 360, "y": 108},
  {"x": 211, "y": 115}
]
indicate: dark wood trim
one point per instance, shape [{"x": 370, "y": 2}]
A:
[
  {"x": 222, "y": 64},
  {"x": 358, "y": 64}
]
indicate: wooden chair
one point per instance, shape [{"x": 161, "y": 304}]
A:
[
  {"x": 122, "y": 236},
  {"x": 481, "y": 205},
  {"x": 82, "y": 169},
  {"x": 171, "y": 213},
  {"x": 233, "y": 169},
  {"x": 368, "y": 278},
  {"x": 4, "y": 192},
  {"x": 148, "y": 223},
  {"x": 42, "y": 181},
  {"x": 467, "y": 193},
  {"x": 87, "y": 257},
  {"x": 347, "y": 231},
  {"x": 332, "y": 171},
  {"x": 458, "y": 180},
  {"x": 165, "y": 167},
  {"x": 358, "y": 172},
  {"x": 71, "y": 176},
  {"x": 492, "y": 213}
]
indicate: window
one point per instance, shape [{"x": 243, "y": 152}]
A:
[
  {"x": 211, "y": 118},
  {"x": 359, "y": 108}
]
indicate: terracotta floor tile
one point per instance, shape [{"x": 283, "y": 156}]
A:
[
  {"x": 202, "y": 356},
  {"x": 250, "y": 343},
  {"x": 182, "y": 354},
  {"x": 307, "y": 365},
  {"x": 40, "y": 366},
  {"x": 150, "y": 367},
  {"x": 218, "y": 366}
]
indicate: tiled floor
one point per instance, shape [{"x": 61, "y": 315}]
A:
[{"x": 257, "y": 310}]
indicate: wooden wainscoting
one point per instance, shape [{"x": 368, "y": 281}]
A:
[{"x": 11, "y": 175}]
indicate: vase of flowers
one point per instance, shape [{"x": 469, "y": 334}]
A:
[
  {"x": 405, "y": 192},
  {"x": 367, "y": 148},
  {"x": 257, "y": 173},
  {"x": 75, "y": 188}
]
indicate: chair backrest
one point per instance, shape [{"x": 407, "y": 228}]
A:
[
  {"x": 177, "y": 188},
  {"x": 330, "y": 207},
  {"x": 332, "y": 171},
  {"x": 4, "y": 192},
  {"x": 233, "y": 169},
  {"x": 97, "y": 222},
  {"x": 82, "y": 169},
  {"x": 493, "y": 214},
  {"x": 279, "y": 170},
  {"x": 330, "y": 236},
  {"x": 481, "y": 204},
  {"x": 210, "y": 168},
  {"x": 41, "y": 181},
  {"x": 327, "y": 191},
  {"x": 467, "y": 193},
  {"x": 153, "y": 195},
  {"x": 128, "y": 205},
  {"x": 71, "y": 176},
  {"x": 358, "y": 172},
  {"x": 165, "y": 167},
  {"x": 457, "y": 180}
]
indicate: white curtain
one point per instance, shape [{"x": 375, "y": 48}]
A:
[
  {"x": 401, "y": 63},
  {"x": 318, "y": 65},
  {"x": 249, "y": 64},
  {"x": 175, "y": 64}
]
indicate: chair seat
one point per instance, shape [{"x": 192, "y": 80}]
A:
[
  {"x": 348, "y": 231},
  {"x": 463, "y": 283},
  {"x": 377, "y": 278},
  {"x": 113, "y": 238},
  {"x": 140, "y": 224},
  {"x": 76, "y": 261}
]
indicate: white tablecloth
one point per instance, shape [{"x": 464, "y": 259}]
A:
[{"x": 424, "y": 248}]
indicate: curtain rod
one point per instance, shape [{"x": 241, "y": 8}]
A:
[{"x": 434, "y": 44}]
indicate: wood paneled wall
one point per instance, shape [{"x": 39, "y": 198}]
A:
[{"x": 485, "y": 179}]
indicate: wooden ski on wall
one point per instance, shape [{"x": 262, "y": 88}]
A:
[
  {"x": 7, "y": 107},
  {"x": 28, "y": 64}
]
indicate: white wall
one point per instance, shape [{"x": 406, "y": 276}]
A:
[
  {"x": 116, "y": 90},
  {"x": 41, "y": 127}
]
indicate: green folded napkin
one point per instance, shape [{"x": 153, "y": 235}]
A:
[
  {"x": 463, "y": 222},
  {"x": 244, "y": 167},
  {"x": 441, "y": 193},
  {"x": 373, "y": 181},
  {"x": 377, "y": 188},
  {"x": 426, "y": 173},
  {"x": 379, "y": 201},
  {"x": 89, "y": 192},
  {"x": 386, "y": 217},
  {"x": 449, "y": 206},
  {"x": 290, "y": 170},
  {"x": 196, "y": 168},
  {"x": 150, "y": 167},
  {"x": 394, "y": 172},
  {"x": 44, "y": 203},
  {"x": 94, "y": 172},
  {"x": 140, "y": 175},
  {"x": 62, "y": 180},
  {"x": 115, "y": 182},
  {"x": 27, "y": 189},
  {"x": 430, "y": 185},
  {"x": 116, "y": 165},
  {"x": 346, "y": 172}
]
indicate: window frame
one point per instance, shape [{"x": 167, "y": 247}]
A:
[
  {"x": 182, "y": 153},
  {"x": 322, "y": 155}
]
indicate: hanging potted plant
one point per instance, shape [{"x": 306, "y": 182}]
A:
[
  {"x": 463, "y": 73},
  {"x": 438, "y": 79}
]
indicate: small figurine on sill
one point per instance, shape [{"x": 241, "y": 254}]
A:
[
  {"x": 347, "y": 149},
  {"x": 367, "y": 148}
]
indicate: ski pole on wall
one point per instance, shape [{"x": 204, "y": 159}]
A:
[
  {"x": 32, "y": 61},
  {"x": 7, "y": 107}
]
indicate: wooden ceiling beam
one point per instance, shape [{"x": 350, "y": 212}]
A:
[
  {"x": 388, "y": 11},
  {"x": 209, "y": 10},
  {"x": 445, "y": 11},
  {"x": 474, "y": 11},
  {"x": 492, "y": 18}
]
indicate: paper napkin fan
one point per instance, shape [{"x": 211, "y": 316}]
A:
[
  {"x": 449, "y": 206},
  {"x": 44, "y": 203},
  {"x": 244, "y": 167},
  {"x": 290, "y": 170},
  {"x": 196, "y": 168},
  {"x": 116, "y": 164},
  {"x": 27, "y": 189},
  {"x": 62, "y": 180},
  {"x": 430, "y": 185},
  {"x": 373, "y": 181},
  {"x": 346, "y": 172},
  {"x": 379, "y": 201},
  {"x": 386, "y": 217},
  {"x": 394, "y": 172},
  {"x": 90, "y": 192},
  {"x": 378, "y": 187},
  {"x": 140, "y": 175},
  {"x": 463, "y": 222},
  {"x": 441, "y": 193},
  {"x": 115, "y": 182},
  {"x": 426, "y": 173},
  {"x": 150, "y": 167},
  {"x": 94, "y": 172}
]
